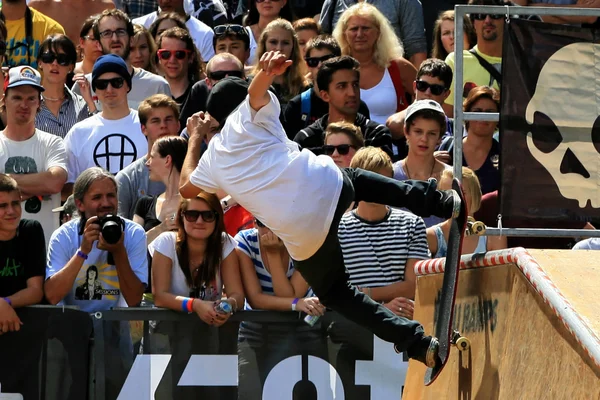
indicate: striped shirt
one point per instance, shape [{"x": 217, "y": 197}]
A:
[
  {"x": 375, "y": 253},
  {"x": 247, "y": 242},
  {"x": 72, "y": 110}
]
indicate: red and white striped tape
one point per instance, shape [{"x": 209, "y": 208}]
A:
[{"x": 541, "y": 283}]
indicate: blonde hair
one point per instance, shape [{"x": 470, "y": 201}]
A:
[
  {"x": 139, "y": 31},
  {"x": 387, "y": 46},
  {"x": 372, "y": 159},
  {"x": 293, "y": 78},
  {"x": 353, "y": 132},
  {"x": 471, "y": 185}
]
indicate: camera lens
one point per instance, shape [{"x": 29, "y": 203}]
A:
[
  {"x": 33, "y": 205},
  {"x": 111, "y": 232}
]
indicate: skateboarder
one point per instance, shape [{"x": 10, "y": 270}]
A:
[{"x": 302, "y": 197}]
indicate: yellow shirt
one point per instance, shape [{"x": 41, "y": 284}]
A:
[
  {"x": 473, "y": 73},
  {"x": 43, "y": 26}
]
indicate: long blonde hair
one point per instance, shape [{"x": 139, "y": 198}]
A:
[
  {"x": 293, "y": 78},
  {"x": 471, "y": 185},
  {"x": 387, "y": 46}
]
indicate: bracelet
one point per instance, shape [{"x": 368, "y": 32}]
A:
[
  {"x": 190, "y": 305},
  {"x": 235, "y": 301},
  {"x": 294, "y": 304},
  {"x": 82, "y": 254},
  {"x": 186, "y": 305},
  {"x": 6, "y": 299}
]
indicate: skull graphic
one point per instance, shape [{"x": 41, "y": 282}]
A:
[{"x": 563, "y": 118}]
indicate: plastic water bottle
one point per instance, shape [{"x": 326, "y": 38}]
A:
[
  {"x": 223, "y": 308},
  {"x": 311, "y": 319}
]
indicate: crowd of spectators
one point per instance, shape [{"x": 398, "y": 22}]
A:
[{"x": 100, "y": 98}]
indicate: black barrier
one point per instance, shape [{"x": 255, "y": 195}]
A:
[{"x": 149, "y": 353}]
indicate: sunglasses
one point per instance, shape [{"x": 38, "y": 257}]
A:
[
  {"x": 314, "y": 62},
  {"x": 179, "y": 54},
  {"x": 62, "y": 59},
  {"x": 192, "y": 215},
  {"x": 481, "y": 17},
  {"x": 2, "y": 48},
  {"x": 234, "y": 28},
  {"x": 436, "y": 90},
  {"x": 259, "y": 224},
  {"x": 102, "y": 84},
  {"x": 342, "y": 149},
  {"x": 218, "y": 75}
]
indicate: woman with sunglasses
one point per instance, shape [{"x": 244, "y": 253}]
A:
[
  {"x": 157, "y": 213},
  {"x": 142, "y": 49},
  {"x": 279, "y": 36},
  {"x": 191, "y": 271},
  {"x": 60, "y": 108},
  {"x": 88, "y": 47},
  {"x": 444, "y": 35},
  {"x": 342, "y": 141},
  {"x": 272, "y": 283},
  {"x": 386, "y": 78},
  {"x": 260, "y": 14}
]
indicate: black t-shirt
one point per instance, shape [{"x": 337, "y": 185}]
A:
[
  {"x": 293, "y": 120},
  {"x": 306, "y": 8},
  {"x": 146, "y": 208},
  {"x": 196, "y": 101},
  {"x": 22, "y": 257}
]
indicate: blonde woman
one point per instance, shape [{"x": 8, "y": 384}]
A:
[
  {"x": 437, "y": 235},
  {"x": 142, "y": 49},
  {"x": 386, "y": 78},
  {"x": 280, "y": 36}
]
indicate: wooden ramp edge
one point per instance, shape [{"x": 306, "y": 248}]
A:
[{"x": 531, "y": 328}]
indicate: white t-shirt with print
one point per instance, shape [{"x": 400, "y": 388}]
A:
[
  {"x": 96, "y": 287},
  {"x": 101, "y": 142},
  {"x": 165, "y": 245},
  {"x": 201, "y": 34},
  {"x": 37, "y": 154},
  {"x": 253, "y": 161}
]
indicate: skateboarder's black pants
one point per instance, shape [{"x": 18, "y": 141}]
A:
[{"x": 325, "y": 271}]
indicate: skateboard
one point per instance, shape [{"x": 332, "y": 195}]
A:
[{"x": 443, "y": 326}]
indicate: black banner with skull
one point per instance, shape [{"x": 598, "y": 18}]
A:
[{"x": 549, "y": 122}]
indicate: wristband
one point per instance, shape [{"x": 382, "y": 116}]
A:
[
  {"x": 186, "y": 305},
  {"x": 190, "y": 305},
  {"x": 294, "y": 304},
  {"x": 82, "y": 254},
  {"x": 6, "y": 299}
]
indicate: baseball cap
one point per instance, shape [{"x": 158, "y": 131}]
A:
[
  {"x": 69, "y": 206},
  {"x": 23, "y": 75},
  {"x": 420, "y": 105},
  {"x": 225, "y": 97}
]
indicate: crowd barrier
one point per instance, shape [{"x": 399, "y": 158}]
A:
[{"x": 149, "y": 353}]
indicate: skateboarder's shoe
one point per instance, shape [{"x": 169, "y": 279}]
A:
[
  {"x": 425, "y": 351},
  {"x": 449, "y": 204},
  {"x": 432, "y": 358}
]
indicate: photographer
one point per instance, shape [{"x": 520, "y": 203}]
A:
[{"x": 117, "y": 258}]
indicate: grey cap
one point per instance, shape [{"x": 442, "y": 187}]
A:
[
  {"x": 69, "y": 207},
  {"x": 423, "y": 105}
]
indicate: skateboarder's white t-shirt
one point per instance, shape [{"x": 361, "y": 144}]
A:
[{"x": 294, "y": 193}]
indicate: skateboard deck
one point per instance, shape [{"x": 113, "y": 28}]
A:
[{"x": 443, "y": 326}]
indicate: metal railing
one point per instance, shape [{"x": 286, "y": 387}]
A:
[{"x": 460, "y": 11}]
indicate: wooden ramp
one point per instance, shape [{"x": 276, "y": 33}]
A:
[{"x": 533, "y": 320}]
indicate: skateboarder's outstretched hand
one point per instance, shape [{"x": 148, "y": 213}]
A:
[
  {"x": 274, "y": 63},
  {"x": 198, "y": 124}
]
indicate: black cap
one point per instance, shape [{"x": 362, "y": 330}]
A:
[{"x": 225, "y": 97}]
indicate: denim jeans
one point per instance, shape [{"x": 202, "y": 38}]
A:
[{"x": 325, "y": 271}]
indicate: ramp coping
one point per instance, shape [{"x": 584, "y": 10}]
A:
[{"x": 541, "y": 283}]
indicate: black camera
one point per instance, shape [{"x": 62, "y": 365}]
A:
[{"x": 112, "y": 227}]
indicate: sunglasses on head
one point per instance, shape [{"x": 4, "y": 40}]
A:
[
  {"x": 218, "y": 75},
  {"x": 314, "y": 62},
  {"x": 436, "y": 90},
  {"x": 179, "y": 54},
  {"x": 102, "y": 84},
  {"x": 342, "y": 149},
  {"x": 259, "y": 224},
  {"x": 61, "y": 59},
  {"x": 481, "y": 17},
  {"x": 192, "y": 215},
  {"x": 234, "y": 28}
]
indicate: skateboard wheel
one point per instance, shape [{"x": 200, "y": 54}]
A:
[
  {"x": 478, "y": 228},
  {"x": 463, "y": 344}
]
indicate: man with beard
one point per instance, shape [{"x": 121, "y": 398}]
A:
[
  {"x": 27, "y": 29},
  {"x": 481, "y": 64},
  {"x": 114, "y": 32}
]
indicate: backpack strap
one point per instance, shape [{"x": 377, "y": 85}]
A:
[
  {"x": 401, "y": 98},
  {"x": 488, "y": 67},
  {"x": 28, "y": 33},
  {"x": 305, "y": 106}
]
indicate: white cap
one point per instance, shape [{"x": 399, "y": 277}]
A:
[
  {"x": 423, "y": 105},
  {"x": 24, "y": 75}
]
